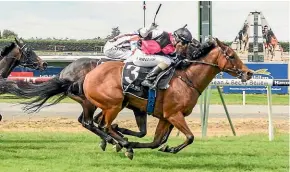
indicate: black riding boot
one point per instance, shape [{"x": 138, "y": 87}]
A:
[{"x": 151, "y": 76}]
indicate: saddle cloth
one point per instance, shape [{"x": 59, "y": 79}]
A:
[
  {"x": 103, "y": 60},
  {"x": 132, "y": 77}
]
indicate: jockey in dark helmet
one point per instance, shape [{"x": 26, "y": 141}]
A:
[
  {"x": 158, "y": 48},
  {"x": 183, "y": 35}
]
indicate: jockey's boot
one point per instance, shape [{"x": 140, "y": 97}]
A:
[{"x": 151, "y": 76}]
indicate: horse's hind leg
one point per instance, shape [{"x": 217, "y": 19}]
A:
[
  {"x": 89, "y": 124},
  {"x": 99, "y": 119},
  {"x": 141, "y": 120},
  {"x": 179, "y": 122},
  {"x": 86, "y": 119},
  {"x": 162, "y": 132}
]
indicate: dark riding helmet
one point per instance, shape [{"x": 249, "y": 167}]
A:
[{"x": 183, "y": 34}]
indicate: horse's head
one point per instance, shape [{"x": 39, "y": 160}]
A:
[
  {"x": 228, "y": 61},
  {"x": 29, "y": 58},
  {"x": 12, "y": 51}
]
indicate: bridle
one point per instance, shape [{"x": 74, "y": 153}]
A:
[
  {"x": 27, "y": 62},
  {"x": 239, "y": 72},
  {"x": 235, "y": 70}
]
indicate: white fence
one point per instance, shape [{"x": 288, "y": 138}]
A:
[{"x": 206, "y": 94}]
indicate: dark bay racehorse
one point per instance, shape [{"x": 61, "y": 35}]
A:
[
  {"x": 244, "y": 36},
  {"x": 69, "y": 84},
  {"x": 16, "y": 54},
  {"x": 102, "y": 87}
]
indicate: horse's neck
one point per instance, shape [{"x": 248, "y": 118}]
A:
[
  {"x": 201, "y": 74},
  {"x": 7, "y": 64}
]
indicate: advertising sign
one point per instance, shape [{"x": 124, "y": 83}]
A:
[{"x": 269, "y": 71}]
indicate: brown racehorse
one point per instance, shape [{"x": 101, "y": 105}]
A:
[
  {"x": 102, "y": 87},
  {"x": 271, "y": 46}
]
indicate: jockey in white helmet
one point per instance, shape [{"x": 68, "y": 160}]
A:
[{"x": 158, "y": 49}]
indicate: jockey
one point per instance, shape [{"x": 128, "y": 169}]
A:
[
  {"x": 122, "y": 46},
  {"x": 158, "y": 48}
]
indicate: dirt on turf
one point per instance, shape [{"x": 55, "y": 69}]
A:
[{"x": 216, "y": 126}]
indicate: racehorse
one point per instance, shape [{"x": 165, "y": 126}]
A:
[
  {"x": 102, "y": 87},
  {"x": 18, "y": 54},
  {"x": 271, "y": 46},
  {"x": 67, "y": 84},
  {"x": 244, "y": 37}
]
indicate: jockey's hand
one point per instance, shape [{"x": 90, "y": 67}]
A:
[
  {"x": 153, "y": 26},
  {"x": 175, "y": 59},
  {"x": 112, "y": 40}
]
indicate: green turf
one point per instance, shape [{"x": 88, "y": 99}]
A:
[
  {"x": 256, "y": 99},
  {"x": 66, "y": 152}
]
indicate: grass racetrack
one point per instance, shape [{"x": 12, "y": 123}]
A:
[
  {"x": 44, "y": 143},
  {"x": 79, "y": 152}
]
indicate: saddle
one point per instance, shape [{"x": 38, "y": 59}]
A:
[
  {"x": 132, "y": 77},
  {"x": 103, "y": 60}
]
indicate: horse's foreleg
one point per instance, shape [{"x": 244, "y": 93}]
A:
[
  {"x": 179, "y": 122},
  {"x": 245, "y": 45},
  {"x": 141, "y": 120}
]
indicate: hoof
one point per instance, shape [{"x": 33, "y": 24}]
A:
[
  {"x": 164, "y": 148},
  {"x": 118, "y": 147},
  {"x": 115, "y": 126},
  {"x": 103, "y": 145},
  {"x": 129, "y": 154},
  {"x": 109, "y": 139},
  {"x": 0, "y": 117}
]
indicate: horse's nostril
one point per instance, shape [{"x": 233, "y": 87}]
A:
[
  {"x": 250, "y": 73},
  {"x": 44, "y": 65}
]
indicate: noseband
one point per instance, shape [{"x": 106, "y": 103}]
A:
[{"x": 27, "y": 61}]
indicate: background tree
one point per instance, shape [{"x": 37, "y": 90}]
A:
[
  {"x": 115, "y": 32},
  {"x": 8, "y": 34}
]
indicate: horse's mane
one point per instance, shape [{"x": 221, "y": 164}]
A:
[
  {"x": 7, "y": 49},
  {"x": 196, "y": 50}
]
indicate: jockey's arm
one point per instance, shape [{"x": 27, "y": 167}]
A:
[
  {"x": 121, "y": 36},
  {"x": 145, "y": 31}
]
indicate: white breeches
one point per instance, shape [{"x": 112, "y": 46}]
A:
[
  {"x": 141, "y": 59},
  {"x": 112, "y": 50}
]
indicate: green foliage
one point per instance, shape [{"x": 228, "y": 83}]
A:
[
  {"x": 285, "y": 46},
  {"x": 6, "y": 34},
  {"x": 115, "y": 32},
  {"x": 67, "y": 45}
]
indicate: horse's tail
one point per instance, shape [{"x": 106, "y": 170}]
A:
[
  {"x": 8, "y": 86},
  {"x": 42, "y": 92}
]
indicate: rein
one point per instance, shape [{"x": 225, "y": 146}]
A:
[{"x": 233, "y": 70}]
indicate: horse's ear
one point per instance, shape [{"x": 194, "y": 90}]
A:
[
  {"x": 219, "y": 43},
  {"x": 21, "y": 41},
  {"x": 17, "y": 41}
]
